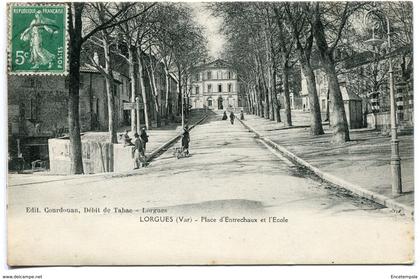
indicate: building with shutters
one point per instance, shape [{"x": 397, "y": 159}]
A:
[{"x": 215, "y": 86}]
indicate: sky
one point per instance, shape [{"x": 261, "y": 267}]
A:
[{"x": 212, "y": 25}]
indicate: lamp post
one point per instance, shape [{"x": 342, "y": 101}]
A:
[{"x": 375, "y": 42}]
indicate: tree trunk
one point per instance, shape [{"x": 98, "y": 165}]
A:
[
  {"x": 264, "y": 90},
  {"x": 155, "y": 94},
  {"x": 267, "y": 103},
  {"x": 260, "y": 93},
  {"x": 257, "y": 97},
  {"x": 275, "y": 101},
  {"x": 142, "y": 87},
  {"x": 247, "y": 106},
  {"x": 109, "y": 81},
  {"x": 269, "y": 91},
  {"x": 338, "y": 119},
  {"x": 253, "y": 100},
  {"x": 327, "y": 117},
  {"x": 111, "y": 111},
  {"x": 315, "y": 110},
  {"x": 132, "y": 87},
  {"x": 74, "y": 84},
  {"x": 166, "y": 92},
  {"x": 179, "y": 110},
  {"x": 286, "y": 91}
]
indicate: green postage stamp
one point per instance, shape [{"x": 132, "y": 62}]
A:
[{"x": 37, "y": 39}]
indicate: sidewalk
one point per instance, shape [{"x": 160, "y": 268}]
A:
[
  {"x": 361, "y": 165},
  {"x": 159, "y": 138}
]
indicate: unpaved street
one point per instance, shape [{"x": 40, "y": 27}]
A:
[{"x": 230, "y": 173}]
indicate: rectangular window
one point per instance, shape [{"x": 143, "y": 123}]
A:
[
  {"x": 30, "y": 109},
  {"x": 323, "y": 104},
  {"x": 229, "y": 87},
  {"x": 209, "y": 88},
  {"x": 229, "y": 75},
  {"x": 197, "y": 90},
  {"x": 209, "y": 75},
  {"x": 219, "y": 88}
]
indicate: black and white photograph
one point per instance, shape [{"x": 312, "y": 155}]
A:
[{"x": 209, "y": 133}]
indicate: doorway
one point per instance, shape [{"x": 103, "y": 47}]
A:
[{"x": 220, "y": 103}]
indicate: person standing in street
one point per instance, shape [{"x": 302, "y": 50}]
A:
[
  {"x": 224, "y": 117},
  {"x": 186, "y": 140},
  {"x": 144, "y": 138},
  {"x": 232, "y": 117},
  {"x": 242, "y": 115},
  {"x": 138, "y": 152}
]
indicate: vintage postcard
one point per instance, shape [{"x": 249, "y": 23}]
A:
[{"x": 210, "y": 133}]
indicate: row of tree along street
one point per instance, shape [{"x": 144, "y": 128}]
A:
[
  {"x": 268, "y": 41},
  {"x": 141, "y": 35}
]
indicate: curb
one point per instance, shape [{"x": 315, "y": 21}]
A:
[
  {"x": 356, "y": 189},
  {"x": 171, "y": 141}
]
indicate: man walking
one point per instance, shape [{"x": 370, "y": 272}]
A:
[{"x": 232, "y": 117}]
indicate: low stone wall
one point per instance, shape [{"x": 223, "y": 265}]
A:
[
  {"x": 379, "y": 121},
  {"x": 123, "y": 158},
  {"x": 97, "y": 157}
]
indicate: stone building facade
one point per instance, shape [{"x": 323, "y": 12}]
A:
[
  {"x": 38, "y": 109},
  {"x": 215, "y": 85}
]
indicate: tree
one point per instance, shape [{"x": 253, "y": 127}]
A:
[
  {"x": 76, "y": 40},
  {"x": 286, "y": 43},
  {"x": 248, "y": 50},
  {"x": 320, "y": 15},
  {"x": 99, "y": 13},
  {"x": 188, "y": 50},
  {"x": 301, "y": 31}
]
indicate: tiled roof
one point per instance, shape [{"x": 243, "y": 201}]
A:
[{"x": 87, "y": 68}]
